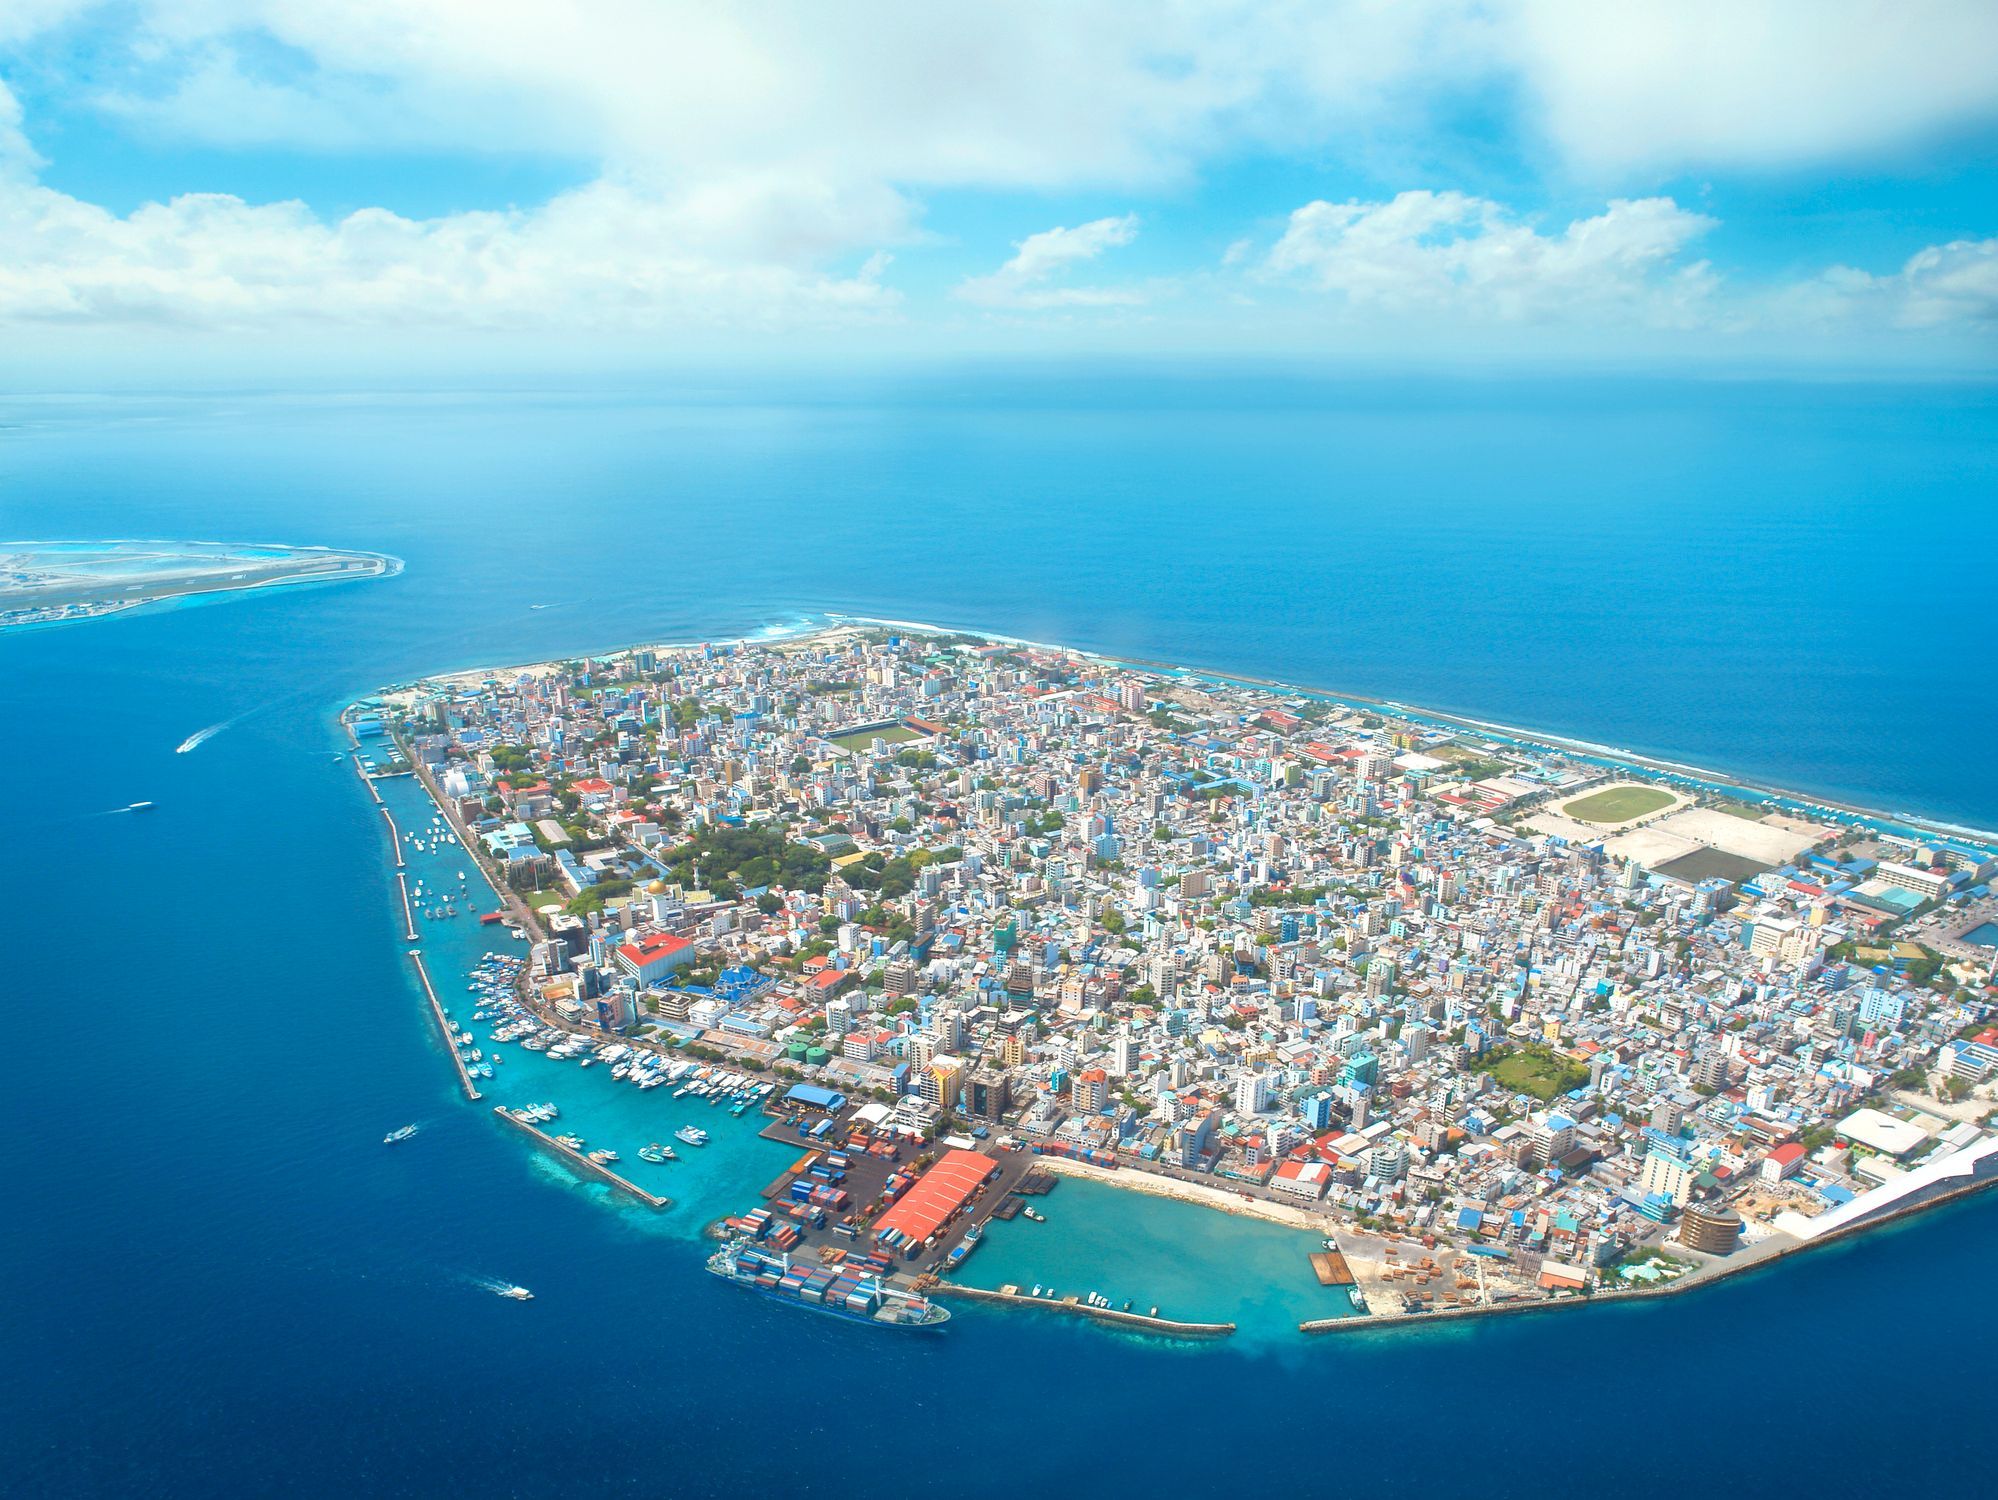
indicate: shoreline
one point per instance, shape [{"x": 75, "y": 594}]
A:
[
  {"x": 1612, "y": 756},
  {"x": 1712, "y": 1273},
  {"x": 381, "y": 565},
  {"x": 1300, "y": 1218},
  {"x": 1138, "y": 1180}
]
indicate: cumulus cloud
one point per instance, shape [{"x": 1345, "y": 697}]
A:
[
  {"x": 602, "y": 258},
  {"x": 1041, "y": 259},
  {"x": 1431, "y": 253},
  {"x": 1952, "y": 285},
  {"x": 743, "y": 160}
]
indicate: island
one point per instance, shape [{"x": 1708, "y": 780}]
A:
[
  {"x": 1512, "y": 1023},
  {"x": 55, "y": 582}
]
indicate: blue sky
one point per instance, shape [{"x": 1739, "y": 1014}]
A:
[{"x": 1793, "y": 181}]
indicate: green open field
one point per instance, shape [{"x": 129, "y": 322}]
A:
[
  {"x": 894, "y": 734},
  {"x": 1617, "y": 804},
  {"x": 1540, "y": 1073}
]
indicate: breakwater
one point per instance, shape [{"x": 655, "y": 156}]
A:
[
  {"x": 444, "y": 1029},
  {"x": 1013, "y": 1296},
  {"x": 582, "y": 1163}
]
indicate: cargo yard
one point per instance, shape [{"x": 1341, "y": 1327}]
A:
[{"x": 858, "y": 1189}]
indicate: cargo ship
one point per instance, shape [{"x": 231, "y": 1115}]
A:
[{"x": 859, "y": 1293}]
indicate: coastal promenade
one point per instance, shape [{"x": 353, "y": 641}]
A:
[
  {"x": 581, "y": 1162},
  {"x": 1012, "y": 1296},
  {"x": 444, "y": 1029}
]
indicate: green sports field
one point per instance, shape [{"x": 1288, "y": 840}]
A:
[
  {"x": 1617, "y": 804},
  {"x": 894, "y": 734}
]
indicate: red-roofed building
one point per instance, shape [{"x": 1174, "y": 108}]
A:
[
  {"x": 650, "y": 960},
  {"x": 1305, "y": 1179},
  {"x": 937, "y": 1196},
  {"x": 1781, "y": 1162}
]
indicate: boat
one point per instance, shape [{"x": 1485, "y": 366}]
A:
[
  {"x": 515, "y": 1293},
  {"x": 962, "y": 1251},
  {"x": 654, "y": 1153},
  {"x": 141, "y": 807},
  {"x": 1035, "y": 1214},
  {"x": 401, "y": 1133},
  {"x": 693, "y": 1135},
  {"x": 842, "y": 1292}
]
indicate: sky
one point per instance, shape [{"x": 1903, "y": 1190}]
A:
[{"x": 212, "y": 184}]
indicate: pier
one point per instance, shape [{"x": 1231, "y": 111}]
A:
[
  {"x": 408, "y": 916},
  {"x": 444, "y": 1028},
  {"x": 581, "y": 1162},
  {"x": 395, "y": 833},
  {"x": 1144, "y": 1323},
  {"x": 1331, "y": 1269}
]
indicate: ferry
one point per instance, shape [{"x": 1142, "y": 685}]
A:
[
  {"x": 962, "y": 1251},
  {"x": 693, "y": 1135},
  {"x": 860, "y": 1295},
  {"x": 401, "y": 1133},
  {"x": 515, "y": 1293}
]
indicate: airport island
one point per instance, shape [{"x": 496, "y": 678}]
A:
[
  {"x": 59, "y": 582},
  {"x": 1507, "y": 1023}
]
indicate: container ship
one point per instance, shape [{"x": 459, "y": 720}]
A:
[{"x": 857, "y": 1290}]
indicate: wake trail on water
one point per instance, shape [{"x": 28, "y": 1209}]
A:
[{"x": 201, "y": 737}]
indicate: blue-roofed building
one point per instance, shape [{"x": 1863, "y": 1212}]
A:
[{"x": 811, "y": 1096}]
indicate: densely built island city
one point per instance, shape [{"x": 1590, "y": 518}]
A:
[{"x": 1509, "y": 1023}]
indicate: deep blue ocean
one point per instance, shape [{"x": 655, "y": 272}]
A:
[{"x": 217, "y": 1280}]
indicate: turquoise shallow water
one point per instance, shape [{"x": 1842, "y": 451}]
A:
[
  {"x": 1192, "y": 1263},
  {"x": 222, "y": 1282}
]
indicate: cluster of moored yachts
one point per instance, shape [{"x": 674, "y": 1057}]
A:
[{"x": 492, "y": 982}]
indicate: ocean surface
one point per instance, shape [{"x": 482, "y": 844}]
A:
[{"x": 220, "y": 1282}]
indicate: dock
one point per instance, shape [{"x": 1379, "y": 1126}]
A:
[
  {"x": 395, "y": 833},
  {"x": 1331, "y": 1268},
  {"x": 444, "y": 1029},
  {"x": 1013, "y": 1296},
  {"x": 581, "y": 1162}
]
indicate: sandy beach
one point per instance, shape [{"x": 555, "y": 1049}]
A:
[{"x": 1190, "y": 1192}]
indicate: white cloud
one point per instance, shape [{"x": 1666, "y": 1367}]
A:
[
  {"x": 1428, "y": 254},
  {"x": 744, "y": 158},
  {"x": 602, "y": 258},
  {"x": 1040, "y": 259},
  {"x": 1952, "y": 285},
  {"x": 1046, "y": 93},
  {"x": 1647, "y": 84}
]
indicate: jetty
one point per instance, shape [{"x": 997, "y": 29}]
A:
[
  {"x": 444, "y": 1029},
  {"x": 581, "y": 1162},
  {"x": 408, "y": 915},
  {"x": 395, "y": 833},
  {"x": 1013, "y": 1296}
]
